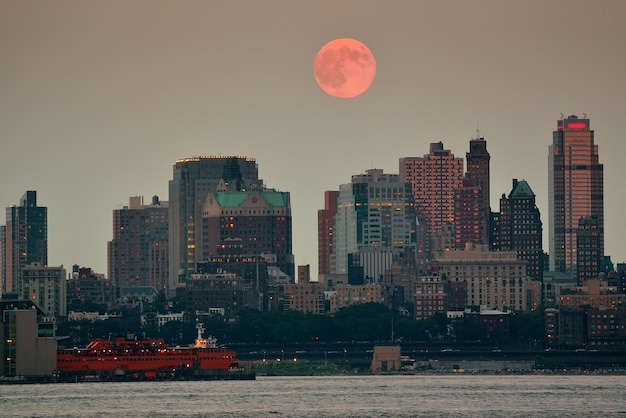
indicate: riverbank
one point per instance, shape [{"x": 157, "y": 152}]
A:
[{"x": 321, "y": 368}]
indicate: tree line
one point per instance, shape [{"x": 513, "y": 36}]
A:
[{"x": 370, "y": 322}]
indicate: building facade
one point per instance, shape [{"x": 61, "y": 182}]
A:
[
  {"x": 375, "y": 216},
  {"x": 204, "y": 292},
  {"x": 469, "y": 214},
  {"x": 325, "y": 230},
  {"x": 496, "y": 280},
  {"x": 249, "y": 223},
  {"x": 576, "y": 190},
  {"x": 307, "y": 297},
  {"x": 138, "y": 253},
  {"x": 46, "y": 287},
  {"x": 347, "y": 295},
  {"x": 193, "y": 180},
  {"x": 429, "y": 296},
  {"x": 25, "y": 240},
  {"x": 27, "y": 340}
]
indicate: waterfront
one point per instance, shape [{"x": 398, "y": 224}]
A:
[{"x": 328, "y": 396}]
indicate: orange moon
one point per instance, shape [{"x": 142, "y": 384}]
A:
[{"x": 344, "y": 68}]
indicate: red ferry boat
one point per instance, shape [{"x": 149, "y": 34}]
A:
[{"x": 151, "y": 358}]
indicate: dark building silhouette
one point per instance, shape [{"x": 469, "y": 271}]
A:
[
  {"x": 478, "y": 160},
  {"x": 85, "y": 287},
  {"x": 24, "y": 240},
  {"x": 519, "y": 228},
  {"x": 251, "y": 287},
  {"x": 588, "y": 249}
]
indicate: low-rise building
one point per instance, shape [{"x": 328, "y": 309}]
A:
[
  {"x": 46, "y": 287},
  {"x": 429, "y": 296},
  {"x": 606, "y": 329},
  {"x": 494, "y": 279},
  {"x": 387, "y": 358},
  {"x": 592, "y": 294},
  {"x": 304, "y": 296},
  {"x": 84, "y": 286},
  {"x": 220, "y": 290},
  {"x": 28, "y": 340},
  {"x": 347, "y": 295}
]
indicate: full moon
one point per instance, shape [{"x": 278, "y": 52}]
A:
[{"x": 344, "y": 68}]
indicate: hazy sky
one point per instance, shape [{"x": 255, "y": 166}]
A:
[{"x": 98, "y": 99}]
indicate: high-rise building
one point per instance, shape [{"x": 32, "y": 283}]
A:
[
  {"x": 25, "y": 239},
  {"x": 469, "y": 215},
  {"x": 576, "y": 190},
  {"x": 325, "y": 219},
  {"x": 518, "y": 228},
  {"x": 434, "y": 179},
  {"x": 138, "y": 253},
  {"x": 477, "y": 160},
  {"x": 252, "y": 223},
  {"x": 194, "y": 179},
  {"x": 375, "y": 221}
]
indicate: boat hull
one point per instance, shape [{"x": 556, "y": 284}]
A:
[{"x": 150, "y": 359}]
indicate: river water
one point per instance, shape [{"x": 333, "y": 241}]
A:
[{"x": 328, "y": 396}]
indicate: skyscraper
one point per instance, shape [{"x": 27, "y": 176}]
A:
[
  {"x": 25, "y": 239},
  {"x": 138, "y": 252},
  {"x": 325, "y": 219},
  {"x": 519, "y": 228},
  {"x": 375, "y": 222},
  {"x": 193, "y": 180},
  {"x": 477, "y": 160},
  {"x": 576, "y": 190},
  {"x": 434, "y": 179}
]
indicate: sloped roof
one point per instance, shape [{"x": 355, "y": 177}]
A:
[
  {"x": 138, "y": 291},
  {"x": 522, "y": 190},
  {"x": 230, "y": 198},
  {"x": 233, "y": 199}
]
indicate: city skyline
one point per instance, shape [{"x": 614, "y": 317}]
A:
[{"x": 98, "y": 101}]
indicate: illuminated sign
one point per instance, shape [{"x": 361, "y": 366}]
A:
[{"x": 576, "y": 125}]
